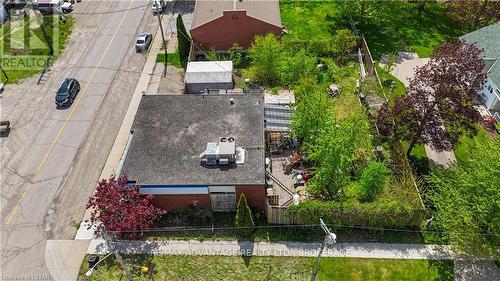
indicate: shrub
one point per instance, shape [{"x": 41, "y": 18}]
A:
[
  {"x": 236, "y": 54},
  {"x": 244, "y": 217},
  {"x": 298, "y": 66},
  {"x": 372, "y": 181},
  {"x": 267, "y": 55},
  {"x": 380, "y": 215},
  {"x": 184, "y": 41}
]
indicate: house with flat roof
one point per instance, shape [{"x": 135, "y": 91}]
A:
[
  {"x": 487, "y": 38},
  {"x": 202, "y": 150},
  {"x": 220, "y": 24}
]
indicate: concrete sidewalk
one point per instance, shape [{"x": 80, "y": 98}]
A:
[{"x": 247, "y": 248}]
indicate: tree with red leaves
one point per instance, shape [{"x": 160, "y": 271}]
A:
[
  {"x": 118, "y": 207},
  {"x": 474, "y": 13},
  {"x": 439, "y": 106}
]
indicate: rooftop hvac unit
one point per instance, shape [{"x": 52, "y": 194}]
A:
[{"x": 222, "y": 152}]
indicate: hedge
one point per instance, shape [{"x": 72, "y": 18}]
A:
[{"x": 380, "y": 215}]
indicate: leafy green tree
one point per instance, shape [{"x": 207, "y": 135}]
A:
[
  {"x": 313, "y": 112},
  {"x": 372, "y": 181},
  {"x": 184, "y": 41},
  {"x": 345, "y": 41},
  {"x": 244, "y": 217},
  {"x": 359, "y": 10},
  {"x": 466, "y": 199},
  {"x": 267, "y": 55},
  {"x": 212, "y": 55},
  {"x": 299, "y": 66},
  {"x": 336, "y": 150},
  {"x": 236, "y": 54}
]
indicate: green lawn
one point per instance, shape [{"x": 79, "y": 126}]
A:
[
  {"x": 172, "y": 59},
  {"x": 397, "y": 26},
  {"x": 392, "y": 26},
  {"x": 307, "y": 20},
  {"x": 236, "y": 268},
  {"x": 13, "y": 34},
  {"x": 465, "y": 144}
]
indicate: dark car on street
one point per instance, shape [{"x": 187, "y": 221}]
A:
[{"x": 67, "y": 92}]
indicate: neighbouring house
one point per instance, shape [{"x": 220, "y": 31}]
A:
[
  {"x": 208, "y": 76},
  {"x": 220, "y": 24},
  {"x": 488, "y": 38},
  {"x": 202, "y": 150}
]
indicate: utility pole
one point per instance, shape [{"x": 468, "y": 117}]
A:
[
  {"x": 118, "y": 257},
  {"x": 162, "y": 36},
  {"x": 330, "y": 239}
]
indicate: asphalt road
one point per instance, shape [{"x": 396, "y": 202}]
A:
[{"x": 52, "y": 158}]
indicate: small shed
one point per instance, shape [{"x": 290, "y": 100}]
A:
[{"x": 206, "y": 76}]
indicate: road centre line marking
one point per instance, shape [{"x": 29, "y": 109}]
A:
[{"x": 75, "y": 106}]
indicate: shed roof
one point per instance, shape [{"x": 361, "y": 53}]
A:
[
  {"x": 487, "y": 38},
  {"x": 278, "y": 117},
  {"x": 170, "y": 132},
  {"x": 209, "y": 72},
  {"x": 265, "y": 10}
]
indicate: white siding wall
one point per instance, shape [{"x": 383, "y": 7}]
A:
[{"x": 491, "y": 98}]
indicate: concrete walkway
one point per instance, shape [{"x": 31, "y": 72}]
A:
[
  {"x": 404, "y": 69},
  {"x": 247, "y": 248}
]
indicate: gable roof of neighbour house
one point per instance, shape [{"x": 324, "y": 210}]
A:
[
  {"x": 488, "y": 38},
  {"x": 171, "y": 131},
  {"x": 265, "y": 10}
]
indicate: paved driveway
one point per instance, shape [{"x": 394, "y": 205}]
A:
[{"x": 404, "y": 68}]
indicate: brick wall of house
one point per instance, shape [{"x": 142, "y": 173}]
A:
[
  {"x": 255, "y": 195},
  {"x": 181, "y": 202},
  {"x": 232, "y": 27}
]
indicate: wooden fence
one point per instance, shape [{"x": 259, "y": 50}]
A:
[{"x": 276, "y": 215}]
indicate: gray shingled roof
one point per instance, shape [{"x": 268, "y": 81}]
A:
[
  {"x": 208, "y": 10},
  {"x": 488, "y": 38},
  {"x": 170, "y": 132}
]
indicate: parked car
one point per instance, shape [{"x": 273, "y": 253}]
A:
[
  {"x": 158, "y": 7},
  {"x": 67, "y": 8},
  {"x": 4, "y": 128},
  {"x": 67, "y": 92},
  {"x": 143, "y": 42},
  {"x": 2, "y": 87}
]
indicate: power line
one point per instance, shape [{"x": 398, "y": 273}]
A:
[{"x": 174, "y": 229}]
